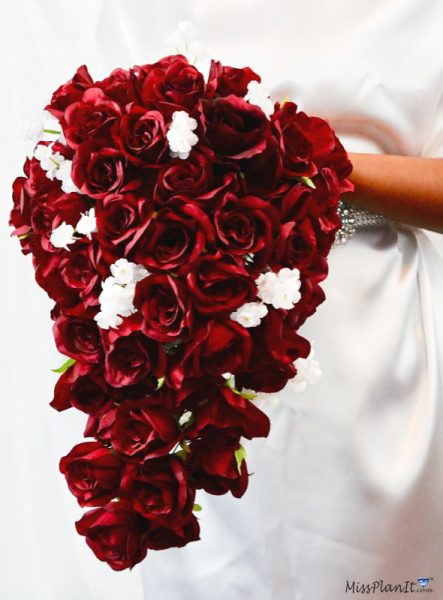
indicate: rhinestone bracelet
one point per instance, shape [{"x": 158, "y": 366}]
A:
[{"x": 353, "y": 217}]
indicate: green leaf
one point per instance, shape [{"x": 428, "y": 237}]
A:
[
  {"x": 308, "y": 181},
  {"x": 65, "y": 366},
  {"x": 240, "y": 455},
  {"x": 247, "y": 395},
  {"x": 197, "y": 507},
  {"x": 184, "y": 446},
  {"x": 52, "y": 131},
  {"x": 181, "y": 454},
  {"x": 160, "y": 383}
]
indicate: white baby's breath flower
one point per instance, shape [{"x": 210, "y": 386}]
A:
[
  {"x": 180, "y": 134},
  {"x": 258, "y": 94},
  {"x": 281, "y": 290},
  {"x": 87, "y": 223},
  {"x": 117, "y": 295},
  {"x": 49, "y": 161},
  {"x": 250, "y": 314},
  {"x": 126, "y": 272},
  {"x": 63, "y": 173},
  {"x": 107, "y": 320},
  {"x": 185, "y": 40},
  {"x": 308, "y": 372},
  {"x": 42, "y": 127},
  {"x": 266, "y": 401},
  {"x": 62, "y": 236}
]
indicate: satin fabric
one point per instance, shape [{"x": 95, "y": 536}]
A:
[{"x": 348, "y": 485}]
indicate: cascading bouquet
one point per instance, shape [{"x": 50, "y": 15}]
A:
[{"x": 182, "y": 228}]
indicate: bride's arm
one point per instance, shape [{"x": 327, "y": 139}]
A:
[{"x": 404, "y": 188}]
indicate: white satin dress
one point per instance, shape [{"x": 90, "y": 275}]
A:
[{"x": 348, "y": 487}]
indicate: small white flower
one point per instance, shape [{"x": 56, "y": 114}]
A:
[
  {"x": 250, "y": 314},
  {"x": 62, "y": 235},
  {"x": 127, "y": 272},
  {"x": 107, "y": 320},
  {"x": 117, "y": 298},
  {"x": 308, "y": 372},
  {"x": 43, "y": 127},
  {"x": 118, "y": 290},
  {"x": 266, "y": 401},
  {"x": 63, "y": 173},
  {"x": 281, "y": 290},
  {"x": 180, "y": 134},
  {"x": 258, "y": 94},
  {"x": 185, "y": 40},
  {"x": 49, "y": 161},
  {"x": 87, "y": 223}
]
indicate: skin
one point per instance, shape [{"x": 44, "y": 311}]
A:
[{"x": 404, "y": 188}]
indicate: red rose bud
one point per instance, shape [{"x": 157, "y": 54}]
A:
[
  {"x": 93, "y": 473},
  {"x": 177, "y": 236},
  {"x": 78, "y": 338},
  {"x": 160, "y": 491},
  {"x": 136, "y": 429},
  {"x": 219, "y": 285},
  {"x": 116, "y": 534},
  {"x": 163, "y": 303},
  {"x": 132, "y": 359},
  {"x": 161, "y": 538}
]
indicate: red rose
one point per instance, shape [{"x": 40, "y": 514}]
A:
[
  {"x": 121, "y": 219},
  {"x": 90, "y": 118},
  {"x": 132, "y": 358},
  {"x": 178, "y": 235},
  {"x": 71, "y": 278},
  {"x": 160, "y": 491},
  {"x": 223, "y": 409},
  {"x": 302, "y": 139},
  {"x": 224, "y": 81},
  {"x": 98, "y": 171},
  {"x": 219, "y": 347},
  {"x": 298, "y": 202},
  {"x": 276, "y": 345},
  {"x": 163, "y": 304},
  {"x": 235, "y": 128},
  {"x": 93, "y": 473},
  {"x": 70, "y": 92},
  {"x": 20, "y": 217},
  {"x": 136, "y": 428},
  {"x": 263, "y": 172},
  {"x": 161, "y": 538},
  {"x": 297, "y": 247},
  {"x": 117, "y": 86},
  {"x": 116, "y": 534},
  {"x": 197, "y": 178},
  {"x": 78, "y": 338},
  {"x": 213, "y": 464},
  {"x": 219, "y": 285},
  {"x": 141, "y": 135},
  {"x": 81, "y": 387},
  {"x": 247, "y": 226},
  {"x": 50, "y": 208},
  {"x": 170, "y": 84}
]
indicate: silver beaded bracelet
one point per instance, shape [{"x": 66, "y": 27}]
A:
[{"x": 352, "y": 218}]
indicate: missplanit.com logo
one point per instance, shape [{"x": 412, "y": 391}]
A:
[{"x": 417, "y": 586}]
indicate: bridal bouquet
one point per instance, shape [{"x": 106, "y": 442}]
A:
[{"x": 181, "y": 225}]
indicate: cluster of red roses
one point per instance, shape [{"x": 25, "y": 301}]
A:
[{"x": 255, "y": 194}]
